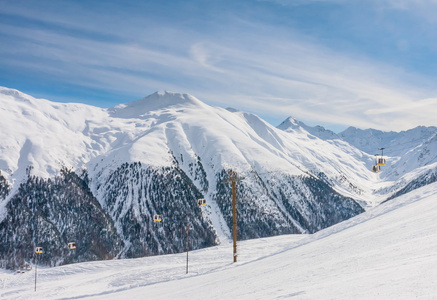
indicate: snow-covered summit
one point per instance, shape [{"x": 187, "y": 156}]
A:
[
  {"x": 13, "y": 93},
  {"x": 291, "y": 124},
  {"x": 154, "y": 102}
]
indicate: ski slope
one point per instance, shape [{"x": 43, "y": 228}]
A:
[{"x": 388, "y": 252}]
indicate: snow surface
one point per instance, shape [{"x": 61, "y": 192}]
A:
[{"x": 388, "y": 252}]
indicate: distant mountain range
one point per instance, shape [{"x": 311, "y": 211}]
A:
[
  {"x": 73, "y": 172},
  {"x": 369, "y": 140}
]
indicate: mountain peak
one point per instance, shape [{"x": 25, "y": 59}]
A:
[
  {"x": 289, "y": 123},
  {"x": 17, "y": 95},
  {"x": 155, "y": 101}
]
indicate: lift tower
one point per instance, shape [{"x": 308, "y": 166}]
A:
[{"x": 233, "y": 177}]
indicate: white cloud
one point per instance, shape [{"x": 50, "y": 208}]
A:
[
  {"x": 269, "y": 71},
  {"x": 199, "y": 53},
  {"x": 312, "y": 82}
]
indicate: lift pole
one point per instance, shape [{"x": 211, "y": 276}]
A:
[
  {"x": 233, "y": 177},
  {"x": 188, "y": 245},
  {"x": 36, "y": 267},
  {"x": 234, "y": 217}
]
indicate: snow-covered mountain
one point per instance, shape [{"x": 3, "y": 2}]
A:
[
  {"x": 158, "y": 155},
  {"x": 411, "y": 155},
  {"x": 369, "y": 140},
  {"x": 395, "y": 143},
  {"x": 291, "y": 124}
]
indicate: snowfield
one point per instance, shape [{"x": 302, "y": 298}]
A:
[{"x": 388, "y": 252}]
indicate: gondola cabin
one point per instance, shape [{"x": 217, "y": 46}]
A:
[
  {"x": 157, "y": 218},
  {"x": 38, "y": 250},
  {"x": 72, "y": 246},
  {"x": 201, "y": 202},
  {"x": 380, "y": 161},
  {"x": 376, "y": 169}
]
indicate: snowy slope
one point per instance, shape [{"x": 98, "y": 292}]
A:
[
  {"x": 395, "y": 143},
  {"x": 387, "y": 252},
  {"x": 368, "y": 140},
  {"x": 45, "y": 134},
  {"x": 411, "y": 154},
  {"x": 424, "y": 155}
]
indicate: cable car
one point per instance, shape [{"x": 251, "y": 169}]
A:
[
  {"x": 380, "y": 161},
  {"x": 201, "y": 202},
  {"x": 38, "y": 250},
  {"x": 376, "y": 169},
  {"x": 157, "y": 218},
  {"x": 72, "y": 245}
]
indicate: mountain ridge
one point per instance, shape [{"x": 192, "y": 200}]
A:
[{"x": 368, "y": 140}]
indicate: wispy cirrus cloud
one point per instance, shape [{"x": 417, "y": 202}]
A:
[
  {"x": 266, "y": 68},
  {"x": 316, "y": 83}
]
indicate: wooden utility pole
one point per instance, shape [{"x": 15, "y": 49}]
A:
[
  {"x": 233, "y": 177},
  {"x": 36, "y": 267},
  {"x": 234, "y": 217},
  {"x": 188, "y": 245}
]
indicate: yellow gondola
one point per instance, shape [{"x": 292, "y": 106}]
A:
[
  {"x": 157, "y": 218},
  {"x": 376, "y": 169},
  {"x": 201, "y": 202},
  {"x": 72, "y": 245},
  {"x": 380, "y": 161},
  {"x": 38, "y": 250}
]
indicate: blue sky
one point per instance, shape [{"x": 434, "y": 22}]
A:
[{"x": 336, "y": 63}]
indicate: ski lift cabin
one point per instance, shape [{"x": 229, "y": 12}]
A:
[
  {"x": 201, "y": 202},
  {"x": 376, "y": 169},
  {"x": 157, "y": 218},
  {"x": 380, "y": 161},
  {"x": 72, "y": 245},
  {"x": 38, "y": 250}
]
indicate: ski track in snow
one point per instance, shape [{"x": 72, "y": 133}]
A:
[{"x": 388, "y": 252}]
